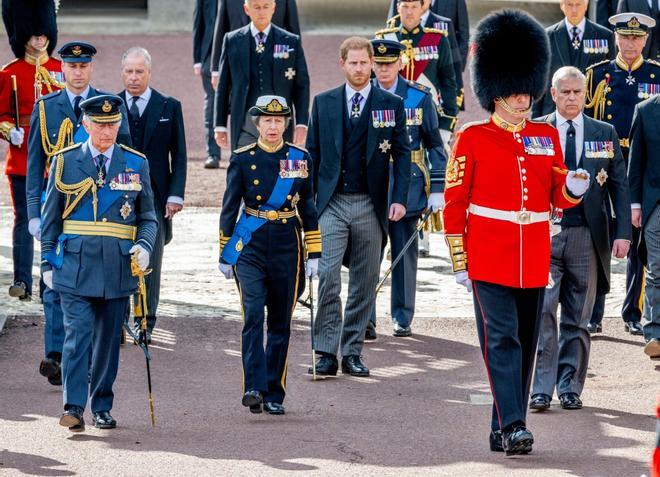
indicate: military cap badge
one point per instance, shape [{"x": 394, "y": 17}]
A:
[{"x": 76, "y": 50}]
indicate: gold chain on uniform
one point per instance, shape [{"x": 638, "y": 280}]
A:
[
  {"x": 79, "y": 189},
  {"x": 64, "y": 136}
]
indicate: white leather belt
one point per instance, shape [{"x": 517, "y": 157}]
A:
[{"x": 521, "y": 217}]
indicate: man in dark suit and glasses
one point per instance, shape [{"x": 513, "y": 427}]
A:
[
  {"x": 156, "y": 124},
  {"x": 354, "y": 132},
  {"x": 260, "y": 59},
  {"x": 581, "y": 252},
  {"x": 575, "y": 41},
  {"x": 203, "y": 23},
  {"x": 643, "y": 173},
  {"x": 232, "y": 15},
  {"x": 650, "y": 8}
]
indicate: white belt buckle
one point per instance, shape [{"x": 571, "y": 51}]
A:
[{"x": 523, "y": 217}]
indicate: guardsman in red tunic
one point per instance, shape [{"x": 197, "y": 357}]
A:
[
  {"x": 503, "y": 177},
  {"x": 32, "y": 32}
]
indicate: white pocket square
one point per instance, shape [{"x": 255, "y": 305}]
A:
[{"x": 162, "y": 120}]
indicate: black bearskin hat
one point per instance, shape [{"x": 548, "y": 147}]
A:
[
  {"x": 511, "y": 55},
  {"x": 26, "y": 18}
]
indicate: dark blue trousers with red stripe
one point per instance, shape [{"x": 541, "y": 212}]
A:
[{"x": 508, "y": 326}]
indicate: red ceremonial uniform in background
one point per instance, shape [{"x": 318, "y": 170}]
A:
[
  {"x": 509, "y": 169},
  {"x": 33, "y": 81}
]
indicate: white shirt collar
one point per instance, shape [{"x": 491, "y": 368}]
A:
[
  {"x": 350, "y": 92},
  {"x": 389, "y": 90},
  {"x": 254, "y": 31},
  {"x": 425, "y": 17},
  {"x": 72, "y": 96},
  {"x": 578, "y": 121},
  {"x": 581, "y": 26},
  {"x": 95, "y": 152},
  {"x": 146, "y": 96}
]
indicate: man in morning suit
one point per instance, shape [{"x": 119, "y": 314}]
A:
[
  {"x": 643, "y": 173},
  {"x": 232, "y": 15},
  {"x": 260, "y": 59},
  {"x": 203, "y": 24},
  {"x": 575, "y": 41},
  {"x": 355, "y": 130},
  {"x": 156, "y": 124},
  {"x": 580, "y": 252}
]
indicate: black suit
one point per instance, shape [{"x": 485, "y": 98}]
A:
[
  {"x": 231, "y": 16},
  {"x": 652, "y": 48},
  {"x": 456, "y": 11},
  {"x": 289, "y": 77},
  {"x": 160, "y": 135},
  {"x": 604, "y": 10},
  {"x": 563, "y": 54},
  {"x": 203, "y": 23}
]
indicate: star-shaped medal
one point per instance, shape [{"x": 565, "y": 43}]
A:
[
  {"x": 290, "y": 73},
  {"x": 630, "y": 79},
  {"x": 125, "y": 210},
  {"x": 601, "y": 177},
  {"x": 385, "y": 146},
  {"x": 576, "y": 44}
]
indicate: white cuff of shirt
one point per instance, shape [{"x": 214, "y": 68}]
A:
[
  {"x": 301, "y": 126},
  {"x": 197, "y": 65},
  {"x": 175, "y": 199},
  {"x": 635, "y": 206},
  {"x": 215, "y": 74},
  {"x": 220, "y": 129}
]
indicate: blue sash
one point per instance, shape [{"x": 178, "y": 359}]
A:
[
  {"x": 414, "y": 98},
  {"x": 85, "y": 210},
  {"x": 248, "y": 224}
]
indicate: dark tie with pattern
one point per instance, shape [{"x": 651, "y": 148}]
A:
[
  {"x": 76, "y": 106},
  {"x": 569, "y": 154},
  {"x": 100, "y": 169},
  {"x": 576, "y": 38},
  {"x": 261, "y": 39},
  {"x": 355, "y": 108},
  {"x": 135, "y": 112}
]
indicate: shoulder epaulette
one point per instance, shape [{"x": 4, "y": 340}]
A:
[
  {"x": 50, "y": 95},
  {"x": 600, "y": 63},
  {"x": 418, "y": 86},
  {"x": 432, "y": 30},
  {"x": 653, "y": 62},
  {"x": 69, "y": 148},
  {"x": 474, "y": 123},
  {"x": 130, "y": 149},
  {"x": 387, "y": 30},
  {"x": 11, "y": 63},
  {"x": 245, "y": 148},
  {"x": 539, "y": 121},
  {"x": 290, "y": 144}
]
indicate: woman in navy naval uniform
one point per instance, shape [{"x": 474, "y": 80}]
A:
[{"x": 265, "y": 250}]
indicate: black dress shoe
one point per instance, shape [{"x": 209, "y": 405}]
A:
[
  {"x": 137, "y": 330},
  {"x": 517, "y": 441},
  {"x": 652, "y": 348},
  {"x": 370, "y": 335},
  {"x": 212, "y": 162},
  {"x": 495, "y": 440},
  {"x": 594, "y": 328},
  {"x": 273, "y": 408},
  {"x": 401, "y": 331},
  {"x": 56, "y": 380},
  {"x": 73, "y": 419},
  {"x": 540, "y": 402},
  {"x": 326, "y": 366},
  {"x": 19, "y": 290},
  {"x": 570, "y": 401},
  {"x": 103, "y": 420},
  {"x": 634, "y": 328},
  {"x": 49, "y": 367},
  {"x": 253, "y": 400},
  {"x": 353, "y": 365}
]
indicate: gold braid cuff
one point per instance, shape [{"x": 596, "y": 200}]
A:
[
  {"x": 456, "y": 252},
  {"x": 5, "y": 127},
  {"x": 313, "y": 241}
]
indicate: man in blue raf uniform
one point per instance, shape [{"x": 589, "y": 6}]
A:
[
  {"x": 264, "y": 250},
  {"x": 613, "y": 89},
  {"x": 56, "y": 123},
  {"x": 98, "y": 217},
  {"x": 426, "y": 176}
]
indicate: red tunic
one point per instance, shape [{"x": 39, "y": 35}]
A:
[
  {"x": 32, "y": 82},
  {"x": 504, "y": 168}
]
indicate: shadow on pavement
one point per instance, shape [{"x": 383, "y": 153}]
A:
[{"x": 31, "y": 464}]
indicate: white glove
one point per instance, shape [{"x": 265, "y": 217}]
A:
[
  {"x": 16, "y": 136},
  {"x": 227, "y": 270},
  {"x": 462, "y": 279},
  {"x": 446, "y": 137},
  {"x": 576, "y": 185},
  {"x": 436, "y": 201},
  {"x": 34, "y": 227},
  {"x": 47, "y": 277},
  {"x": 142, "y": 256},
  {"x": 312, "y": 267}
]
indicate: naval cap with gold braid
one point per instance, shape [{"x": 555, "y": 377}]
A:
[
  {"x": 632, "y": 23},
  {"x": 104, "y": 108},
  {"x": 270, "y": 106}
]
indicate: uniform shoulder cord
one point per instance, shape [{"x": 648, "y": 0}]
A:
[{"x": 78, "y": 190}]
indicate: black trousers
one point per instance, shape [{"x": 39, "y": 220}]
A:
[
  {"x": 22, "y": 242},
  {"x": 508, "y": 325},
  {"x": 270, "y": 276}
]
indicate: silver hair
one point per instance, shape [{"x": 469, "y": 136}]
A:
[
  {"x": 565, "y": 73},
  {"x": 255, "y": 121},
  {"x": 137, "y": 50}
]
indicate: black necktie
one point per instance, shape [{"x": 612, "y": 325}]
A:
[
  {"x": 355, "y": 108},
  {"x": 569, "y": 153},
  {"x": 576, "y": 37},
  {"x": 76, "y": 106},
  {"x": 135, "y": 112},
  {"x": 261, "y": 39}
]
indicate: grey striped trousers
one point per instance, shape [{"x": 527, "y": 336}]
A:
[{"x": 347, "y": 218}]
